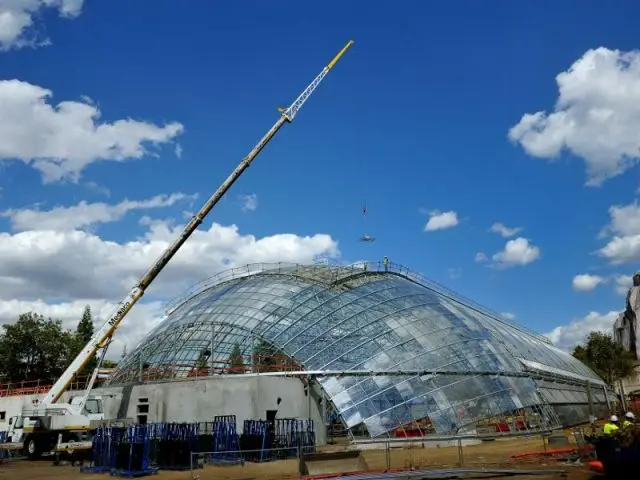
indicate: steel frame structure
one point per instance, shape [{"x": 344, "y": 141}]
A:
[{"x": 387, "y": 346}]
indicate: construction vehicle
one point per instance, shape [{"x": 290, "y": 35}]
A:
[{"x": 51, "y": 425}]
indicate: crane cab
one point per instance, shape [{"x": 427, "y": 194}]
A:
[
  {"x": 93, "y": 407},
  {"x": 15, "y": 434}
]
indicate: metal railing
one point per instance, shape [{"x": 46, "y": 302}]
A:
[
  {"x": 38, "y": 387},
  {"x": 389, "y": 455}
]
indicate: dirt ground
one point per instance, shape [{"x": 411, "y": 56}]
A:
[{"x": 489, "y": 455}]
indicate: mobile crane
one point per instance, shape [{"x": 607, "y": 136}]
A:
[{"x": 49, "y": 423}]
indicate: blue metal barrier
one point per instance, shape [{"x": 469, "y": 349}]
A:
[
  {"x": 225, "y": 441},
  {"x": 5, "y": 455},
  {"x": 283, "y": 438},
  {"x": 139, "y": 450}
]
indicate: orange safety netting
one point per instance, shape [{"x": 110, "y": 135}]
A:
[{"x": 37, "y": 387}]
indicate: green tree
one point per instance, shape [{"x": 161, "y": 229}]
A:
[
  {"x": 84, "y": 332},
  {"x": 265, "y": 357},
  {"x": 34, "y": 348},
  {"x": 236, "y": 360},
  {"x": 109, "y": 364},
  {"x": 605, "y": 357}
]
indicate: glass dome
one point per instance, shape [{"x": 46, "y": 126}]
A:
[{"x": 394, "y": 348}]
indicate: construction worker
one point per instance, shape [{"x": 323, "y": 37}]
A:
[
  {"x": 611, "y": 426},
  {"x": 629, "y": 420}
]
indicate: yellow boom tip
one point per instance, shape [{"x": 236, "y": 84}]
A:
[{"x": 340, "y": 53}]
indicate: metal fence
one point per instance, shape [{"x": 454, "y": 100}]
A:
[{"x": 376, "y": 455}]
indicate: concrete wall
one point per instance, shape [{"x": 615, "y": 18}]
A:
[{"x": 246, "y": 397}]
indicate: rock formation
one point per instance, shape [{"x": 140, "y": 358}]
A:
[{"x": 625, "y": 328}]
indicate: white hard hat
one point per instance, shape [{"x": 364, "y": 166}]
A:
[
  {"x": 614, "y": 418},
  {"x": 630, "y": 415}
]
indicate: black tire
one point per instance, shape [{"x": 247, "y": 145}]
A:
[{"x": 32, "y": 448}]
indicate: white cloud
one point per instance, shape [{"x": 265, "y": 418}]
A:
[
  {"x": 624, "y": 226},
  {"x": 625, "y": 219},
  {"x": 55, "y": 272},
  {"x": 622, "y": 284},
  {"x": 441, "y": 220},
  {"x": 62, "y": 140},
  {"x": 37, "y": 263},
  {"x": 17, "y": 25},
  {"x": 586, "y": 282},
  {"x": 249, "y": 202},
  {"x": 568, "y": 336},
  {"x": 596, "y": 117},
  {"x": 508, "y": 315},
  {"x": 481, "y": 257},
  {"x": 102, "y": 190},
  {"x": 85, "y": 214},
  {"x": 517, "y": 252},
  {"x": 503, "y": 230}
]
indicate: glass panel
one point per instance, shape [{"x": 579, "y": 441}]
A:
[{"x": 443, "y": 353}]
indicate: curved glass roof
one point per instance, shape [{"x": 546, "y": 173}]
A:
[{"x": 446, "y": 358}]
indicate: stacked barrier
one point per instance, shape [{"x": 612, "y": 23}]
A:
[
  {"x": 284, "y": 438},
  {"x": 294, "y": 436},
  {"x": 139, "y": 450},
  {"x": 174, "y": 443},
  {"x": 4, "y": 455},
  {"x": 225, "y": 442},
  {"x": 255, "y": 440},
  {"x": 132, "y": 452},
  {"x": 122, "y": 451},
  {"x": 104, "y": 449}
]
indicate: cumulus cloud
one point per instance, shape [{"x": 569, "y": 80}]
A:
[
  {"x": 624, "y": 220},
  {"x": 441, "y": 220},
  {"x": 586, "y": 282},
  {"x": 481, "y": 257},
  {"x": 596, "y": 116},
  {"x": 85, "y": 214},
  {"x": 17, "y": 21},
  {"x": 622, "y": 284},
  {"x": 624, "y": 229},
  {"x": 57, "y": 272},
  {"x": 517, "y": 252},
  {"x": 249, "y": 202},
  {"x": 508, "y": 315},
  {"x": 62, "y": 140},
  {"x": 503, "y": 230},
  {"x": 568, "y": 336},
  {"x": 38, "y": 263}
]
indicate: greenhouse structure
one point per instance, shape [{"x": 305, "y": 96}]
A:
[{"x": 390, "y": 350}]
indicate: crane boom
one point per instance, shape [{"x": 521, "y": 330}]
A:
[{"x": 102, "y": 336}]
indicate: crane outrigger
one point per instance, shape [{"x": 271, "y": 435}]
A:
[{"x": 49, "y": 423}]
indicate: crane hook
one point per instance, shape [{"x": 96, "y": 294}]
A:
[{"x": 366, "y": 238}]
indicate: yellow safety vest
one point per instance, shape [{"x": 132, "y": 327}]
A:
[
  {"x": 609, "y": 428},
  {"x": 627, "y": 424}
]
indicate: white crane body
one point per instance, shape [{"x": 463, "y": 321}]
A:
[{"x": 49, "y": 423}]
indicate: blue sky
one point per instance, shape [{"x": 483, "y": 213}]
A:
[{"x": 414, "y": 119}]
